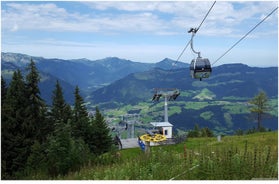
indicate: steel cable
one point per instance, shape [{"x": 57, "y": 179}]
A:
[{"x": 244, "y": 36}]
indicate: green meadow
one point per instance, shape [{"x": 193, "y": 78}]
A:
[{"x": 247, "y": 157}]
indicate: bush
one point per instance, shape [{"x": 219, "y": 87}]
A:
[
  {"x": 197, "y": 132},
  {"x": 65, "y": 154},
  {"x": 206, "y": 132},
  {"x": 36, "y": 162},
  {"x": 239, "y": 132}
]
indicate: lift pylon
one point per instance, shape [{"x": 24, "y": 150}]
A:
[{"x": 170, "y": 94}]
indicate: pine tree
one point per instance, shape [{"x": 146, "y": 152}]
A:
[
  {"x": 102, "y": 138},
  {"x": 37, "y": 159},
  {"x": 60, "y": 111},
  {"x": 79, "y": 107},
  {"x": 59, "y": 142},
  {"x": 64, "y": 152},
  {"x": 195, "y": 133},
  {"x": 80, "y": 123},
  {"x": 15, "y": 146},
  {"x": 82, "y": 127},
  {"x": 3, "y": 90},
  {"x": 36, "y": 108},
  {"x": 59, "y": 146},
  {"x": 206, "y": 132}
]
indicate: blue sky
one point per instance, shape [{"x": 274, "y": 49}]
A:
[{"x": 140, "y": 31}]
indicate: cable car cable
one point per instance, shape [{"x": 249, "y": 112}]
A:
[
  {"x": 206, "y": 16},
  {"x": 196, "y": 32},
  {"x": 182, "y": 52},
  {"x": 244, "y": 36},
  {"x": 200, "y": 67}
]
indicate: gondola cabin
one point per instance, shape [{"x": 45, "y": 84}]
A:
[{"x": 200, "y": 68}]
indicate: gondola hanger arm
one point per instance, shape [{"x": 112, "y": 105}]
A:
[{"x": 194, "y": 31}]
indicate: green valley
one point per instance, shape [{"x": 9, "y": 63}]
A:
[{"x": 219, "y": 115}]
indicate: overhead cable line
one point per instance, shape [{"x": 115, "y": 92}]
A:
[
  {"x": 182, "y": 52},
  {"x": 196, "y": 32},
  {"x": 244, "y": 36},
  {"x": 206, "y": 16}
]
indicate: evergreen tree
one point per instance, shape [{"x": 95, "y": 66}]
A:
[
  {"x": 58, "y": 160},
  {"x": 36, "y": 107},
  {"x": 79, "y": 107},
  {"x": 195, "y": 132},
  {"x": 80, "y": 124},
  {"x": 3, "y": 90},
  {"x": 59, "y": 142},
  {"x": 206, "y": 132},
  {"x": 37, "y": 159},
  {"x": 102, "y": 138},
  {"x": 82, "y": 127},
  {"x": 64, "y": 153},
  {"x": 15, "y": 146},
  {"x": 60, "y": 111},
  {"x": 80, "y": 154}
]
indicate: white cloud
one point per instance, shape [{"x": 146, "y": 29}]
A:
[
  {"x": 227, "y": 19},
  {"x": 125, "y": 6},
  {"x": 49, "y": 17},
  {"x": 134, "y": 17},
  {"x": 15, "y": 27}
]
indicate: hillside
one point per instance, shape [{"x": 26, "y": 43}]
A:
[
  {"x": 234, "y": 158},
  {"x": 220, "y": 102},
  {"x": 231, "y": 80}
]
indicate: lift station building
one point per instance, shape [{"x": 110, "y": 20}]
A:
[{"x": 164, "y": 128}]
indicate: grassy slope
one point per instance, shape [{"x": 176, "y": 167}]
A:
[{"x": 235, "y": 157}]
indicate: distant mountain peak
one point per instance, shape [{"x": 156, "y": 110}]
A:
[
  {"x": 18, "y": 59},
  {"x": 168, "y": 64},
  {"x": 167, "y": 60}
]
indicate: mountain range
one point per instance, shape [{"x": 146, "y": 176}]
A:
[
  {"x": 121, "y": 86},
  {"x": 87, "y": 74}
]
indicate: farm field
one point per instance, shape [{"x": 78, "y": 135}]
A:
[{"x": 247, "y": 157}]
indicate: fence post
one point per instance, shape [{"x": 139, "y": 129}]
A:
[{"x": 219, "y": 138}]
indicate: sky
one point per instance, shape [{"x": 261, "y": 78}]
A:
[{"x": 141, "y": 31}]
